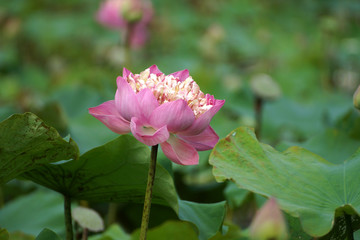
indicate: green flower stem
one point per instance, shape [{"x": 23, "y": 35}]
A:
[
  {"x": 148, "y": 194},
  {"x": 349, "y": 228},
  {"x": 113, "y": 207},
  {"x": 68, "y": 220}
]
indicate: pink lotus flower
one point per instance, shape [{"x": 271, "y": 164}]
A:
[
  {"x": 120, "y": 14},
  {"x": 169, "y": 110}
]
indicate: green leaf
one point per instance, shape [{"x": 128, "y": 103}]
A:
[
  {"x": 350, "y": 123},
  {"x": 31, "y": 213},
  {"x": 232, "y": 232},
  {"x": 75, "y": 102},
  {"x": 288, "y": 119},
  {"x": 112, "y": 233},
  {"x": 47, "y": 234},
  {"x": 295, "y": 229},
  {"x": 114, "y": 172},
  {"x": 4, "y": 234},
  {"x": 84, "y": 128},
  {"x": 53, "y": 114},
  {"x": 174, "y": 230},
  {"x": 208, "y": 218},
  {"x": 117, "y": 172},
  {"x": 26, "y": 142},
  {"x": 305, "y": 185},
  {"x": 18, "y": 235},
  {"x": 234, "y": 195},
  {"x": 333, "y": 145}
]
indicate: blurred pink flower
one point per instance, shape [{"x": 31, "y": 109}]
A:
[
  {"x": 269, "y": 223},
  {"x": 130, "y": 15},
  {"x": 169, "y": 110}
]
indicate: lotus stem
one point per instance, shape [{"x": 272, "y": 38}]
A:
[
  {"x": 148, "y": 193},
  {"x": 68, "y": 220},
  {"x": 85, "y": 234},
  {"x": 112, "y": 213}
]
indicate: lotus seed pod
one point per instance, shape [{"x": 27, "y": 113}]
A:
[
  {"x": 132, "y": 10},
  {"x": 88, "y": 218},
  {"x": 265, "y": 87}
]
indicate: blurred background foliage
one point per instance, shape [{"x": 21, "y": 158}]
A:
[
  {"x": 57, "y": 61},
  {"x": 55, "y": 52}
]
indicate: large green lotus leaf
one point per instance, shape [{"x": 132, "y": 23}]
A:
[
  {"x": 4, "y": 234},
  {"x": 47, "y": 234},
  {"x": 174, "y": 230},
  {"x": 350, "y": 123},
  {"x": 208, "y": 218},
  {"x": 114, "y": 172},
  {"x": 113, "y": 232},
  {"x": 333, "y": 145},
  {"x": 305, "y": 185},
  {"x": 33, "y": 212},
  {"x": 26, "y": 141},
  {"x": 117, "y": 172},
  {"x": 53, "y": 114},
  {"x": 294, "y": 228},
  {"x": 18, "y": 235},
  {"x": 75, "y": 102},
  {"x": 234, "y": 195},
  {"x": 231, "y": 232}
]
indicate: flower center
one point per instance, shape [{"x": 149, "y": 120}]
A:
[
  {"x": 148, "y": 130},
  {"x": 170, "y": 88}
]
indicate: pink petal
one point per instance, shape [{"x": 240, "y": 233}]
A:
[
  {"x": 205, "y": 140},
  {"x": 147, "y": 102},
  {"x": 108, "y": 115},
  {"x": 155, "y": 70},
  {"x": 179, "y": 151},
  {"x": 126, "y": 73},
  {"x": 182, "y": 75},
  {"x": 203, "y": 121},
  {"x": 146, "y": 134},
  {"x": 177, "y": 115},
  {"x": 125, "y": 100}
]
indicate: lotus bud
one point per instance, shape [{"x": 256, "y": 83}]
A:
[
  {"x": 356, "y": 98},
  {"x": 130, "y": 15},
  {"x": 269, "y": 223}
]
